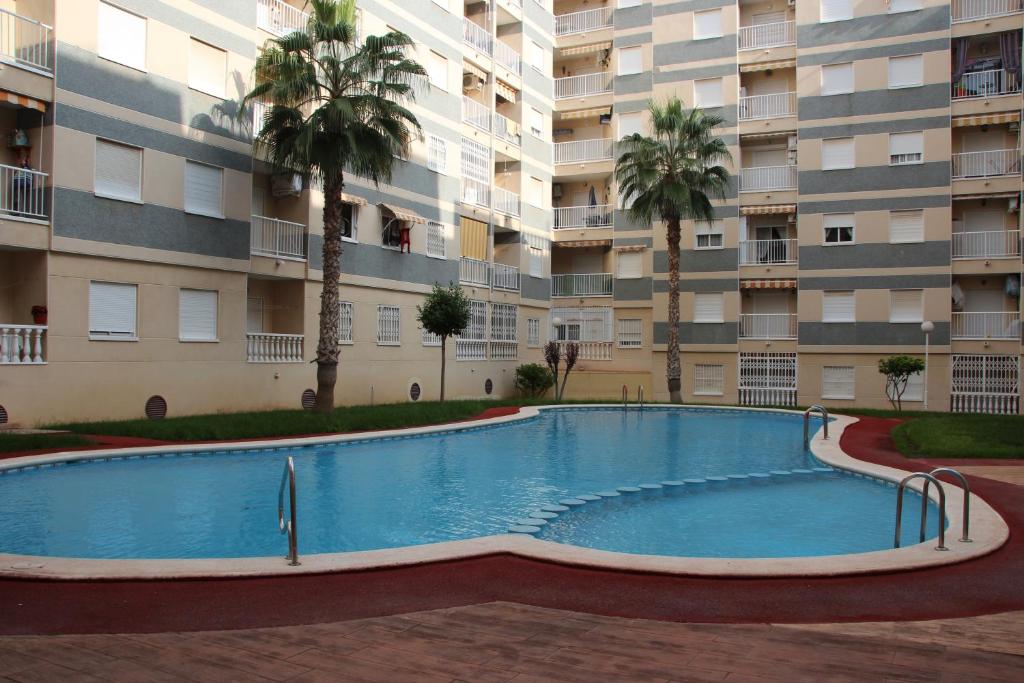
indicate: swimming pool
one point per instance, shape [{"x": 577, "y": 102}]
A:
[{"x": 374, "y": 493}]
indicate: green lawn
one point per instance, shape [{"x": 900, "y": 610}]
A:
[
  {"x": 961, "y": 436},
  {"x": 9, "y": 443}
]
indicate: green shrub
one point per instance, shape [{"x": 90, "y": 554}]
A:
[{"x": 533, "y": 379}]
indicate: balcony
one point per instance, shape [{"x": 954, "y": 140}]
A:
[
  {"x": 581, "y": 86},
  {"x": 776, "y": 34},
  {"x": 768, "y": 252},
  {"x": 280, "y": 18},
  {"x": 987, "y": 164},
  {"x": 581, "y": 217},
  {"x": 22, "y": 344},
  {"x": 759, "y": 107},
  {"x": 582, "y": 22},
  {"x": 506, "y": 202},
  {"x": 579, "y": 151},
  {"x": 582, "y": 284},
  {"x": 277, "y": 238},
  {"x": 265, "y": 347},
  {"x": 986, "y": 244},
  {"x": 986, "y": 325},
  {"x": 474, "y": 272},
  {"x": 990, "y": 83},
  {"x": 25, "y": 42},
  {"x": 23, "y": 193},
  {"x": 591, "y": 350},
  {"x": 768, "y": 325},
  {"x": 768, "y": 178},
  {"x": 477, "y": 37},
  {"x": 505, "y": 277},
  {"x": 970, "y": 10},
  {"x": 508, "y": 130},
  {"x": 476, "y": 192},
  {"x": 508, "y": 57},
  {"x": 476, "y": 114}
]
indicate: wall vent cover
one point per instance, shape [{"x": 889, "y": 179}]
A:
[
  {"x": 308, "y": 399},
  {"x": 3, "y": 415},
  {"x": 156, "y": 408},
  {"x": 414, "y": 391},
  {"x": 488, "y": 386}
]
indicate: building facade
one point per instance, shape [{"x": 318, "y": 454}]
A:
[{"x": 149, "y": 260}]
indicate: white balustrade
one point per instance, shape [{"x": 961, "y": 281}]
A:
[
  {"x": 768, "y": 252},
  {"x": 768, "y": 178},
  {"x": 776, "y": 105},
  {"x": 280, "y": 18},
  {"x": 969, "y": 10},
  {"x": 581, "y": 22},
  {"x": 582, "y": 284},
  {"x": 768, "y": 325},
  {"x": 775, "y": 34},
  {"x": 992, "y": 404},
  {"x": 767, "y": 396},
  {"x": 580, "y": 86},
  {"x": 470, "y": 349},
  {"x": 986, "y": 84},
  {"x": 506, "y": 202},
  {"x": 277, "y": 238},
  {"x": 578, "y": 151},
  {"x": 506, "y": 129},
  {"x": 597, "y": 216},
  {"x": 476, "y": 114},
  {"x": 508, "y": 57},
  {"x": 474, "y": 272},
  {"x": 477, "y": 36},
  {"x": 23, "y": 192},
  {"x": 504, "y": 350},
  {"x": 506, "y": 277},
  {"x": 986, "y": 325},
  {"x": 476, "y": 192},
  {"x": 265, "y": 347},
  {"x": 25, "y": 42},
  {"x": 22, "y": 344},
  {"x": 986, "y": 164},
  {"x": 986, "y": 244},
  {"x": 591, "y": 350}
]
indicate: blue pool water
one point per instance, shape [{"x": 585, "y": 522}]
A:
[{"x": 389, "y": 493}]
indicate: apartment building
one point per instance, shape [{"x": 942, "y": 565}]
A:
[{"x": 150, "y": 264}]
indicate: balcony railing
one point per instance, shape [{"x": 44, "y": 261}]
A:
[
  {"x": 987, "y": 164},
  {"x": 969, "y": 10},
  {"x": 25, "y": 42},
  {"x": 986, "y": 84},
  {"x": 578, "y": 151},
  {"x": 505, "y": 277},
  {"x": 477, "y": 36},
  {"x": 582, "y": 284},
  {"x": 506, "y": 202},
  {"x": 476, "y": 192},
  {"x": 592, "y": 350},
  {"x": 986, "y": 244},
  {"x": 264, "y": 347},
  {"x": 776, "y": 34},
  {"x": 768, "y": 178},
  {"x": 597, "y": 216},
  {"x": 474, "y": 272},
  {"x": 580, "y": 86},
  {"x": 280, "y": 18},
  {"x": 768, "y": 325},
  {"x": 277, "y": 238},
  {"x": 986, "y": 325},
  {"x": 476, "y": 114},
  {"x": 768, "y": 252},
  {"x": 772, "y": 106},
  {"x": 22, "y": 344},
  {"x": 23, "y": 192},
  {"x": 581, "y": 22},
  {"x": 506, "y": 129},
  {"x": 508, "y": 57}
]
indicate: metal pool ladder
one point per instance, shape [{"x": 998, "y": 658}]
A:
[
  {"x": 640, "y": 395},
  {"x": 290, "y": 527},
  {"x": 929, "y": 479},
  {"x": 807, "y": 422},
  {"x": 964, "y": 537}
]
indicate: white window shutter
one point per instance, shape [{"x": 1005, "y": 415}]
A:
[
  {"x": 837, "y": 79},
  {"x": 631, "y": 333},
  {"x": 630, "y": 123},
  {"x": 906, "y": 71},
  {"x": 631, "y": 60},
  {"x": 903, "y": 6},
  {"x": 437, "y": 70},
  {"x": 836, "y": 10},
  {"x": 197, "y": 315},
  {"x": 915, "y": 388},
  {"x": 536, "y": 262},
  {"x": 906, "y": 226},
  {"x": 707, "y": 307},
  {"x": 630, "y": 264},
  {"x": 838, "y": 307},
  {"x": 207, "y": 68},
  {"x": 837, "y": 382},
  {"x": 112, "y": 309},
  {"x": 118, "y": 172},
  {"x": 906, "y": 147},
  {"x": 707, "y": 92},
  {"x": 536, "y": 122},
  {"x": 254, "y": 315},
  {"x": 121, "y": 37},
  {"x": 837, "y": 153},
  {"x": 204, "y": 188},
  {"x": 707, "y": 24},
  {"x": 906, "y": 306}
]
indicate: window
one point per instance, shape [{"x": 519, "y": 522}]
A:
[
  {"x": 254, "y": 315},
  {"x": 708, "y": 235},
  {"x": 504, "y": 325},
  {"x": 348, "y": 221},
  {"x": 437, "y": 154},
  {"x": 836, "y": 10},
  {"x": 896, "y": 6},
  {"x": 906, "y": 148},
  {"x": 197, "y": 315},
  {"x": 915, "y": 388},
  {"x": 533, "y": 332},
  {"x": 345, "y": 320},
  {"x": 838, "y": 307},
  {"x": 707, "y": 24},
  {"x": 837, "y": 381},
  {"x": 536, "y": 257},
  {"x": 435, "y": 239},
  {"x": 586, "y": 324},
  {"x": 535, "y": 56},
  {"x": 122, "y": 37},
  {"x": 838, "y": 228},
  {"x": 906, "y": 306},
  {"x": 906, "y": 226},
  {"x": 631, "y": 60},
  {"x": 707, "y": 92},
  {"x": 429, "y": 338},
  {"x": 837, "y": 79},
  {"x": 389, "y": 326},
  {"x": 707, "y": 307},
  {"x": 203, "y": 189},
  {"x": 118, "y": 172},
  {"x": 437, "y": 70},
  {"x": 906, "y": 72},
  {"x": 837, "y": 153},
  {"x": 207, "y": 68},
  {"x": 472, "y": 343},
  {"x": 630, "y": 123},
  {"x": 630, "y": 264},
  {"x": 536, "y": 123},
  {"x": 535, "y": 192},
  {"x": 708, "y": 380},
  {"x": 112, "y": 308},
  {"x": 629, "y": 3},
  {"x": 630, "y": 333}
]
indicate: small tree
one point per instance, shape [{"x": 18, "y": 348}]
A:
[
  {"x": 572, "y": 354},
  {"x": 553, "y": 357},
  {"x": 533, "y": 379},
  {"x": 444, "y": 313},
  {"x": 897, "y": 371}
]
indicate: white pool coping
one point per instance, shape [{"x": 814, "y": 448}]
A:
[{"x": 988, "y": 530}]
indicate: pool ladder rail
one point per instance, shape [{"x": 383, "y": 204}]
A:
[
  {"x": 929, "y": 479},
  {"x": 639, "y": 396},
  {"x": 823, "y": 411},
  {"x": 289, "y": 527}
]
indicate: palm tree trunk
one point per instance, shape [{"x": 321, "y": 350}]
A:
[
  {"x": 443, "y": 339},
  {"x": 673, "y": 371},
  {"x": 330, "y": 313}
]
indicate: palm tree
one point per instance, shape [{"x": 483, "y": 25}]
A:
[
  {"x": 673, "y": 176},
  {"x": 335, "y": 105}
]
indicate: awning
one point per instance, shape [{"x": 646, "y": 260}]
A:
[
  {"x": 585, "y": 243},
  {"x": 22, "y": 100},
  {"x": 475, "y": 70},
  {"x": 985, "y": 195},
  {"x": 403, "y": 214},
  {"x": 767, "y": 209},
  {"x": 506, "y": 91},
  {"x": 767, "y": 136},
  {"x": 767, "y": 284},
  {"x": 584, "y": 113},
  {"x": 586, "y": 49},
  {"x": 986, "y": 119},
  {"x": 630, "y": 247},
  {"x": 352, "y": 199},
  {"x": 765, "y": 66}
]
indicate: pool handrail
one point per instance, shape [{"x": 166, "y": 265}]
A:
[
  {"x": 640, "y": 395},
  {"x": 964, "y": 537},
  {"x": 290, "y": 527},
  {"x": 816, "y": 408},
  {"x": 942, "y": 508},
  {"x": 625, "y": 397}
]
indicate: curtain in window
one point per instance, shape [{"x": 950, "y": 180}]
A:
[
  {"x": 1009, "y": 50},
  {"x": 959, "y": 58}
]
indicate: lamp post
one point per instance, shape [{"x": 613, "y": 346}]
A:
[{"x": 927, "y": 327}]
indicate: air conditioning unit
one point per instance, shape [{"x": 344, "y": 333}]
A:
[
  {"x": 556, "y": 191},
  {"x": 791, "y": 3},
  {"x": 1012, "y": 205},
  {"x": 791, "y": 219},
  {"x": 791, "y": 142},
  {"x": 286, "y": 185},
  {"x": 471, "y": 82}
]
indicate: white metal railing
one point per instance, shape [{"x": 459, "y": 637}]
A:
[
  {"x": 768, "y": 325},
  {"x": 22, "y": 344},
  {"x": 768, "y": 178},
  {"x": 993, "y": 404},
  {"x": 477, "y": 36},
  {"x": 476, "y": 192},
  {"x": 264, "y": 347},
  {"x": 505, "y": 277},
  {"x": 476, "y": 114},
  {"x": 474, "y": 271},
  {"x": 508, "y": 57},
  {"x": 506, "y": 129},
  {"x": 280, "y": 18},
  {"x": 25, "y": 42},
  {"x": 985, "y": 383},
  {"x": 768, "y": 252},
  {"x": 986, "y": 244},
  {"x": 597, "y": 216},
  {"x": 986, "y": 164},
  {"x": 591, "y": 350},
  {"x": 506, "y": 202},
  {"x": 274, "y": 237},
  {"x": 504, "y": 350},
  {"x": 581, "y": 284},
  {"x": 470, "y": 349},
  {"x": 775, "y": 34},
  {"x": 586, "y": 84},
  {"x": 22, "y": 192},
  {"x": 598, "y": 149},
  {"x": 969, "y": 10},
  {"x": 986, "y": 84},
  {"x": 772, "y": 106},
  {"x": 581, "y": 22},
  {"x": 986, "y": 325}
]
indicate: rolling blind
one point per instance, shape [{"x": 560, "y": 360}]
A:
[
  {"x": 906, "y": 71},
  {"x": 707, "y": 307},
  {"x": 437, "y": 70},
  {"x": 535, "y": 192},
  {"x": 837, "y": 382},
  {"x": 207, "y": 68},
  {"x": 837, "y": 153},
  {"x": 837, "y": 79},
  {"x": 118, "y": 171},
  {"x": 906, "y": 306},
  {"x": 536, "y": 122},
  {"x": 838, "y": 307},
  {"x": 631, "y": 60},
  {"x": 630, "y": 264},
  {"x": 836, "y": 10},
  {"x": 536, "y": 257},
  {"x": 630, "y": 333},
  {"x": 197, "y": 315},
  {"x": 121, "y": 36},
  {"x": 906, "y": 226},
  {"x": 630, "y": 123},
  {"x": 112, "y": 309},
  {"x": 906, "y": 144},
  {"x": 203, "y": 189},
  {"x": 473, "y": 236},
  {"x": 707, "y": 92},
  {"x": 707, "y": 24}
]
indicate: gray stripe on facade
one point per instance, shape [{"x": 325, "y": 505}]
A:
[
  {"x": 727, "y": 211},
  {"x": 535, "y": 217},
  {"x": 633, "y": 17},
  {"x": 632, "y": 40},
  {"x": 917, "y": 255},
  {"x": 633, "y": 242},
  {"x": 632, "y": 289},
  {"x": 623, "y": 223},
  {"x": 690, "y": 6},
  {"x": 927, "y": 281},
  {"x": 925, "y": 201},
  {"x": 81, "y": 215},
  {"x": 368, "y": 260},
  {"x": 699, "y": 333},
  {"x": 627, "y": 106},
  {"x": 731, "y": 284},
  {"x": 442, "y": 24},
  {"x": 895, "y": 50},
  {"x": 430, "y": 210},
  {"x": 243, "y": 11},
  {"x": 537, "y": 288},
  {"x": 869, "y": 334},
  {"x": 633, "y": 83},
  {"x": 690, "y": 74},
  {"x": 873, "y": 27},
  {"x": 932, "y": 174},
  {"x": 695, "y": 50},
  {"x": 932, "y": 96},
  {"x": 699, "y": 260},
  {"x": 873, "y": 127}
]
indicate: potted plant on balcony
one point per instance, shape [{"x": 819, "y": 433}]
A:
[{"x": 39, "y": 315}]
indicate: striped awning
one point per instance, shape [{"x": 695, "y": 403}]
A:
[
  {"x": 584, "y": 113},
  {"x": 986, "y": 119},
  {"x": 475, "y": 70},
  {"x": 630, "y": 247},
  {"x": 352, "y": 199},
  {"x": 22, "y": 100},
  {"x": 585, "y": 243},
  {"x": 765, "y": 66},
  {"x": 767, "y": 209},
  {"x": 506, "y": 91},
  {"x": 403, "y": 214},
  {"x": 774, "y": 135},
  {"x": 767, "y": 284},
  {"x": 586, "y": 49},
  {"x": 985, "y": 195}
]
